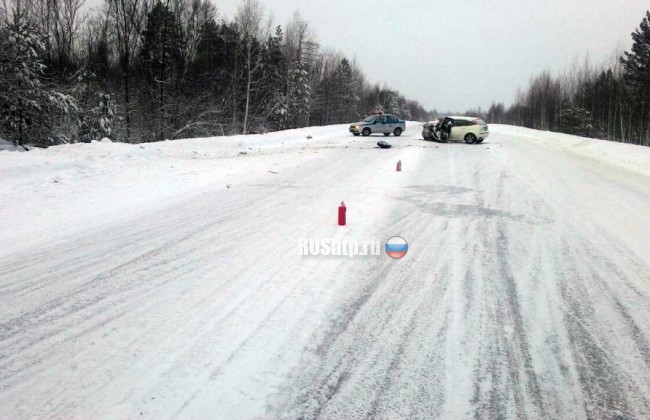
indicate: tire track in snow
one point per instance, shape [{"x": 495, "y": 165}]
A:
[
  {"x": 523, "y": 383},
  {"x": 607, "y": 389}
]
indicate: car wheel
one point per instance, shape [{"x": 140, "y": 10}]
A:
[
  {"x": 386, "y": 134},
  {"x": 356, "y": 134},
  {"x": 366, "y": 132},
  {"x": 470, "y": 138},
  {"x": 397, "y": 132}
]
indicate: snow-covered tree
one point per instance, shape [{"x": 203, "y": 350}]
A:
[
  {"x": 345, "y": 88},
  {"x": 28, "y": 107},
  {"x": 573, "y": 119},
  {"x": 300, "y": 50},
  {"x": 391, "y": 103},
  {"x": 298, "y": 94},
  {"x": 274, "y": 80},
  {"x": 98, "y": 122}
]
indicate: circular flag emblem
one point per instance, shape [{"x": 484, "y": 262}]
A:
[{"x": 396, "y": 247}]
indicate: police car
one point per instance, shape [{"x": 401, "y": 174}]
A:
[{"x": 379, "y": 123}]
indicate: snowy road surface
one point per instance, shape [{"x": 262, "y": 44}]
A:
[{"x": 165, "y": 281}]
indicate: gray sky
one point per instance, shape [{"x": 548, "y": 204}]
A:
[{"x": 453, "y": 55}]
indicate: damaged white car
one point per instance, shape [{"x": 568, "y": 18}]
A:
[{"x": 471, "y": 130}]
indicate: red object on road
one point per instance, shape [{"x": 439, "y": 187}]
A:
[
  {"x": 342, "y": 210},
  {"x": 399, "y": 166}
]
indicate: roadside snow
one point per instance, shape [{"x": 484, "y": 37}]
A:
[
  {"x": 630, "y": 157},
  {"x": 51, "y": 193}
]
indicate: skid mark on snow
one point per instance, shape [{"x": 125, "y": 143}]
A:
[{"x": 436, "y": 189}]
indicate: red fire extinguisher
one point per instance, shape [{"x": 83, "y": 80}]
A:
[
  {"x": 399, "y": 166},
  {"x": 342, "y": 211}
]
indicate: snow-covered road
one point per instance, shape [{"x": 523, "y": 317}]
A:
[{"x": 525, "y": 292}]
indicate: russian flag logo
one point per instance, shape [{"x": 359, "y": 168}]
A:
[{"x": 396, "y": 247}]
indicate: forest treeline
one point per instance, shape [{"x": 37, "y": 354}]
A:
[
  {"x": 148, "y": 70},
  {"x": 611, "y": 101}
]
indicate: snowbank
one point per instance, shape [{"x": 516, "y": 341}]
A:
[{"x": 629, "y": 157}]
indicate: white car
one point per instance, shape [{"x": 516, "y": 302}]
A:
[{"x": 472, "y": 130}]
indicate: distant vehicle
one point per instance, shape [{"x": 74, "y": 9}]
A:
[
  {"x": 472, "y": 130},
  {"x": 379, "y": 123}
]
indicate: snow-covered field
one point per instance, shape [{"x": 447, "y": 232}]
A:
[{"x": 164, "y": 280}]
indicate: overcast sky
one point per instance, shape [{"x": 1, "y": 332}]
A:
[{"x": 453, "y": 55}]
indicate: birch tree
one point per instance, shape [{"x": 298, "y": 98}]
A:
[{"x": 250, "y": 22}]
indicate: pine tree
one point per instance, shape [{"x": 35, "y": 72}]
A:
[
  {"x": 637, "y": 74},
  {"x": 637, "y": 62},
  {"x": 161, "y": 55},
  {"x": 298, "y": 95},
  {"x": 345, "y": 91},
  {"x": 573, "y": 119},
  {"x": 391, "y": 103},
  {"x": 28, "y": 108},
  {"x": 96, "y": 113},
  {"x": 272, "y": 92},
  {"x": 98, "y": 122}
]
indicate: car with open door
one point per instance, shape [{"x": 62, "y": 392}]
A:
[{"x": 471, "y": 130}]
